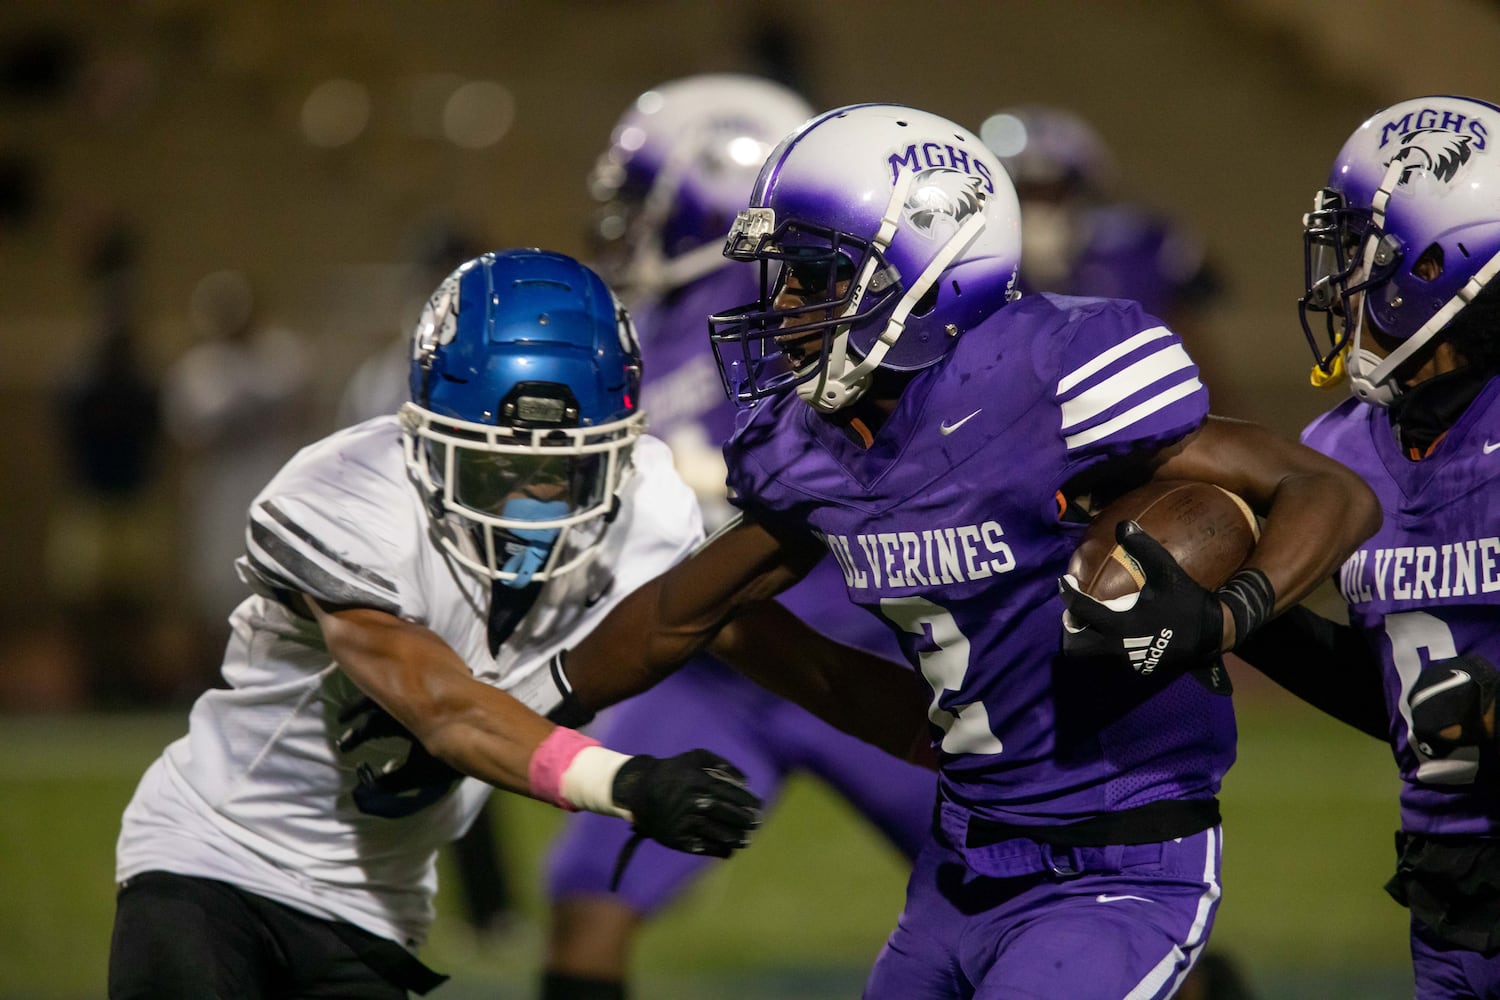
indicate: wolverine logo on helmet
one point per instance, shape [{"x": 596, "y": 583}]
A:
[
  {"x": 941, "y": 199},
  {"x": 1436, "y": 152}
]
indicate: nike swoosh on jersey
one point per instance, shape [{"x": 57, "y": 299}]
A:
[
  {"x": 946, "y": 428},
  {"x": 1490, "y": 447},
  {"x": 1105, "y": 897}
]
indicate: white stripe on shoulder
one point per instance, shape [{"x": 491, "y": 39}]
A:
[
  {"x": 1113, "y": 354},
  {"x": 1120, "y": 386},
  {"x": 1135, "y": 414}
]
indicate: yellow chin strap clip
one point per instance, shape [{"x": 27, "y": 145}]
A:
[{"x": 1322, "y": 379}]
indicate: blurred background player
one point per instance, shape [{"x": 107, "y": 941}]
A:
[
  {"x": 1402, "y": 249},
  {"x": 413, "y": 577},
  {"x": 105, "y": 545},
  {"x": 1080, "y": 237},
  {"x": 678, "y": 169},
  {"x": 237, "y": 404}
]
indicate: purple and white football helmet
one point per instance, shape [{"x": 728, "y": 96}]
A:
[
  {"x": 678, "y": 169},
  {"x": 902, "y": 230},
  {"x": 1410, "y": 222}
]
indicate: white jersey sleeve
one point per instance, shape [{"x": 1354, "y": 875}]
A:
[{"x": 338, "y": 524}]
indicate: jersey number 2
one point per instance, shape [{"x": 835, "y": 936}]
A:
[{"x": 966, "y": 728}]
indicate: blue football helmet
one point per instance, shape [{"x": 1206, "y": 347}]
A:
[
  {"x": 525, "y": 377},
  {"x": 1406, "y": 233},
  {"x": 898, "y": 229},
  {"x": 678, "y": 169}
]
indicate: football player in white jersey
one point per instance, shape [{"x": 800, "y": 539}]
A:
[{"x": 414, "y": 580}]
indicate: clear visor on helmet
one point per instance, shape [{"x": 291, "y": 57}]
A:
[
  {"x": 490, "y": 482},
  {"x": 809, "y": 294}
]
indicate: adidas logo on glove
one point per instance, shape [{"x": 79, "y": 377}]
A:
[{"x": 1146, "y": 652}]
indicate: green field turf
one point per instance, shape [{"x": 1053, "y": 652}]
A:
[{"x": 1309, "y": 811}]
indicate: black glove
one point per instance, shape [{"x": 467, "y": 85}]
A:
[
  {"x": 1456, "y": 693},
  {"x": 1173, "y": 626},
  {"x": 696, "y": 802},
  {"x": 397, "y": 789}
]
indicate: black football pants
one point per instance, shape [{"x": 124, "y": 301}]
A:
[{"x": 180, "y": 936}]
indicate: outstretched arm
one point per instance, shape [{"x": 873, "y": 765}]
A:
[
  {"x": 420, "y": 680},
  {"x": 695, "y": 802},
  {"x": 663, "y": 623}
]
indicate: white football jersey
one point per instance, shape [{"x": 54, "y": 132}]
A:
[{"x": 256, "y": 794}]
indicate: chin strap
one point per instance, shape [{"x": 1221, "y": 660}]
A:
[{"x": 839, "y": 385}]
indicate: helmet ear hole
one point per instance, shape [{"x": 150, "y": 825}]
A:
[{"x": 1429, "y": 266}]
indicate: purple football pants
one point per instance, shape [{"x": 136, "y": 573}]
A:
[
  {"x": 1130, "y": 924},
  {"x": 705, "y": 704},
  {"x": 1447, "y": 972}
]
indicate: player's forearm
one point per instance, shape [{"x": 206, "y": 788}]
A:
[
  {"x": 422, "y": 682},
  {"x": 871, "y": 698},
  {"x": 633, "y": 648},
  {"x": 663, "y": 623},
  {"x": 1316, "y": 512},
  {"x": 1315, "y": 521}
]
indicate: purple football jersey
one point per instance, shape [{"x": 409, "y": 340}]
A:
[
  {"x": 948, "y": 528},
  {"x": 1426, "y": 586}
]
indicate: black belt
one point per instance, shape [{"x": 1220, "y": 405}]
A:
[{"x": 1148, "y": 824}]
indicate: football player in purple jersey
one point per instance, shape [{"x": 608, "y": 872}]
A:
[
  {"x": 943, "y": 438},
  {"x": 679, "y": 167},
  {"x": 1402, "y": 248}
]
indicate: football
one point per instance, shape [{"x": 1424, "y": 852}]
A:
[{"x": 1207, "y": 529}]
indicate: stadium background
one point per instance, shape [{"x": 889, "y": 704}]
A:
[{"x": 214, "y": 130}]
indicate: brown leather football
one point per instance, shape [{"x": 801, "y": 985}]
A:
[{"x": 1207, "y": 529}]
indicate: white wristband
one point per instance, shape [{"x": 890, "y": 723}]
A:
[{"x": 588, "y": 782}]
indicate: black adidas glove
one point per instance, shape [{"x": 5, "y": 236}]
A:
[
  {"x": 696, "y": 802},
  {"x": 397, "y": 789},
  {"x": 1173, "y": 626},
  {"x": 1453, "y": 697}
]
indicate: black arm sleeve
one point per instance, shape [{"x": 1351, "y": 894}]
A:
[{"x": 1325, "y": 664}]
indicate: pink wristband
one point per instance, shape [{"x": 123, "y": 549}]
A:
[{"x": 551, "y": 759}]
